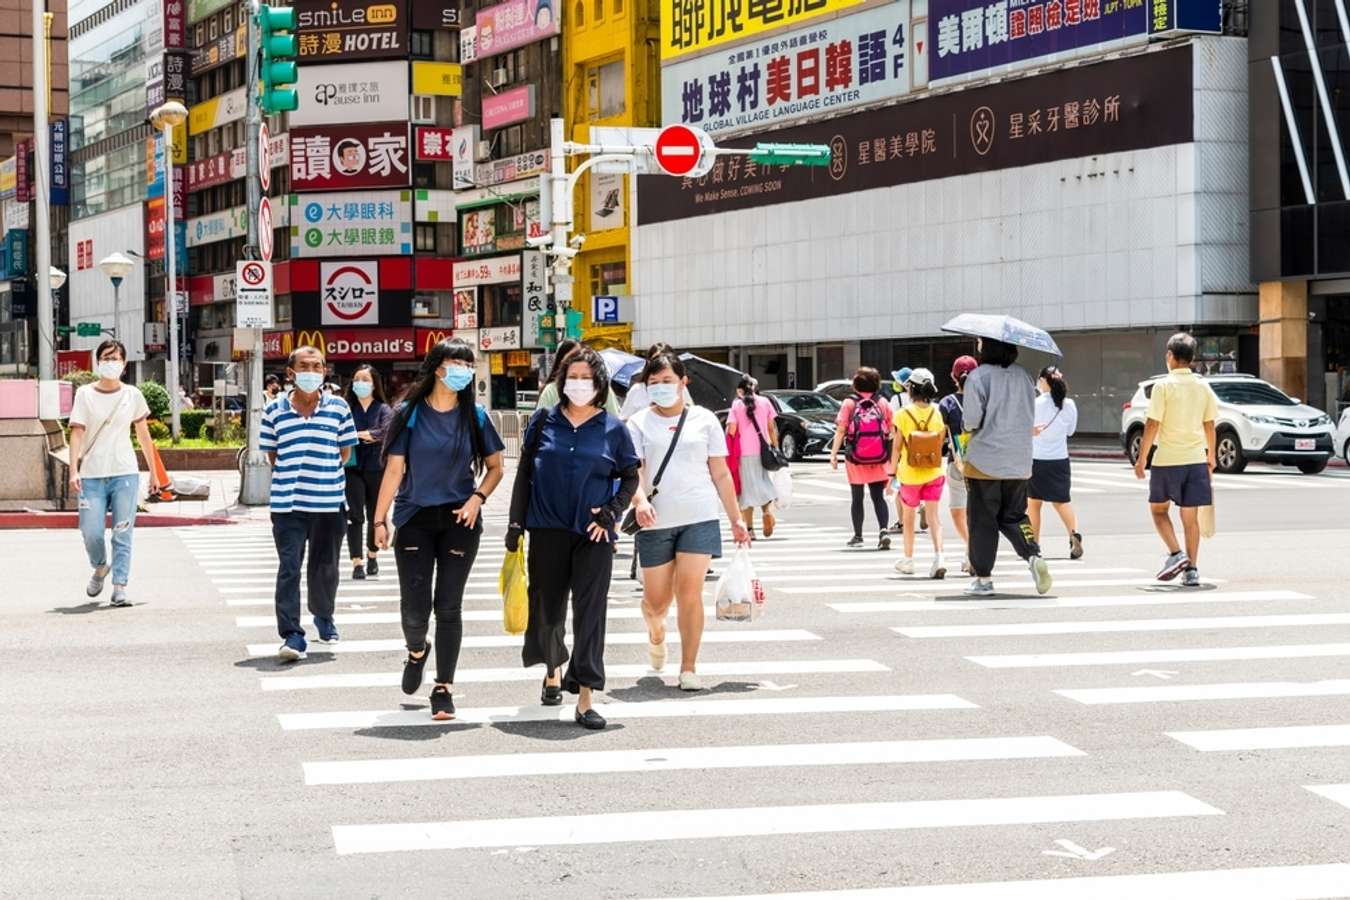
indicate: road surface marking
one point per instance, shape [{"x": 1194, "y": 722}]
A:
[
  {"x": 343, "y": 619},
  {"x": 1207, "y": 623},
  {"x": 1174, "y": 693},
  {"x": 1077, "y": 851},
  {"x": 1265, "y": 738},
  {"x": 1162, "y": 597},
  {"x": 1137, "y": 657},
  {"x": 691, "y": 824},
  {"x": 485, "y": 641},
  {"x": 957, "y": 585},
  {"x": 1337, "y": 793}
]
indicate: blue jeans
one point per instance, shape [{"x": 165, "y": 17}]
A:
[
  {"x": 99, "y": 496},
  {"x": 323, "y": 533}
]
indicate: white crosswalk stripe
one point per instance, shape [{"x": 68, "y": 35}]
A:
[
  {"x": 1265, "y": 738},
  {"x": 1156, "y": 598},
  {"x": 1177, "y": 693},
  {"x": 1103, "y": 627},
  {"x": 620, "y": 639}
]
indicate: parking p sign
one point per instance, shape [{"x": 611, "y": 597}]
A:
[{"x": 606, "y": 310}]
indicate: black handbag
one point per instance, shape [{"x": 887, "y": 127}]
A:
[
  {"x": 630, "y": 524},
  {"x": 770, "y": 457}
]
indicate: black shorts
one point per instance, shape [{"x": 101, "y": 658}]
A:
[
  {"x": 1183, "y": 485},
  {"x": 1050, "y": 480}
]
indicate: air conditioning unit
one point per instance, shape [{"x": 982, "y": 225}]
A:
[
  {"x": 498, "y": 78},
  {"x": 484, "y": 151}
]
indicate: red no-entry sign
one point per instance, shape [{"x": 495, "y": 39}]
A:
[{"x": 681, "y": 150}]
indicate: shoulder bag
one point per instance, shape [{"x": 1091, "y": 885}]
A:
[
  {"x": 770, "y": 457},
  {"x": 630, "y": 524},
  {"x": 88, "y": 445}
]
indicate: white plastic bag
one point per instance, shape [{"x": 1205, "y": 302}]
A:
[
  {"x": 188, "y": 487},
  {"x": 740, "y": 597},
  {"x": 782, "y": 488}
]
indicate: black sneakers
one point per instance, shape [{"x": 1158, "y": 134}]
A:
[
  {"x": 412, "y": 670},
  {"x": 1075, "y": 546},
  {"x": 442, "y": 704},
  {"x": 372, "y": 566}
]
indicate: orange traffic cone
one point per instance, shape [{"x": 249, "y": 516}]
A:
[{"x": 159, "y": 476}]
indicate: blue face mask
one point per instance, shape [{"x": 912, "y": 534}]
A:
[
  {"x": 362, "y": 389},
  {"x": 308, "y": 382},
  {"x": 457, "y": 378},
  {"x": 664, "y": 395}
]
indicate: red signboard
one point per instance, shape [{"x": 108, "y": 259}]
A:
[
  {"x": 368, "y": 155},
  {"x": 84, "y": 255},
  {"x": 175, "y": 24},
  {"x": 435, "y": 144},
  {"x": 154, "y": 228},
  {"x": 363, "y": 344},
  {"x": 277, "y": 344},
  {"x": 68, "y": 361},
  {"x": 205, "y": 173},
  {"x": 22, "y": 152}
]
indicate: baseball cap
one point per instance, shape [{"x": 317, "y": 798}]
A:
[
  {"x": 920, "y": 376},
  {"x": 964, "y": 365}
]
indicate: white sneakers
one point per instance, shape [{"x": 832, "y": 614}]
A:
[
  {"x": 937, "y": 571},
  {"x": 1040, "y": 572},
  {"x": 689, "y": 681},
  {"x": 905, "y": 566},
  {"x": 980, "y": 587}
]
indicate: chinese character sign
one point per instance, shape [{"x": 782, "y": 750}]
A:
[
  {"x": 858, "y": 59},
  {"x": 60, "y": 133},
  {"x": 513, "y": 24},
  {"x": 980, "y": 35},
  {"x": 689, "y": 26},
  {"x": 434, "y": 144},
  {"x": 350, "y": 156},
  {"x": 340, "y": 30},
  {"x": 353, "y": 222}
]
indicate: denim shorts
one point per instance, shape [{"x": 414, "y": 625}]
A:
[
  {"x": 658, "y": 546},
  {"x": 1186, "y": 485}
]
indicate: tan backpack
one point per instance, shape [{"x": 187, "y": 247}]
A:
[{"x": 923, "y": 448}]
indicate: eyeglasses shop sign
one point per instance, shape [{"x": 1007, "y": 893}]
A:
[{"x": 339, "y": 95}]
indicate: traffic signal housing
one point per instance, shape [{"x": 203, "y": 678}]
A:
[{"x": 278, "y": 70}]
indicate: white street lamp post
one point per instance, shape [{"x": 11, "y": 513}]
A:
[
  {"x": 166, "y": 118},
  {"x": 42, "y": 170},
  {"x": 116, "y": 266}
]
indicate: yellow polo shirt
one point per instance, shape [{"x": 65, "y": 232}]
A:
[{"x": 1181, "y": 403}]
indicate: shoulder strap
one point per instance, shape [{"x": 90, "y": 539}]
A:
[
  {"x": 670, "y": 451},
  {"x": 84, "y": 451},
  {"x": 928, "y": 423},
  {"x": 754, "y": 422}
]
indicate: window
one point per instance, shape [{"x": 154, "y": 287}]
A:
[
  {"x": 420, "y": 45},
  {"x": 618, "y": 7},
  {"x": 424, "y": 109},
  {"x": 227, "y": 20},
  {"x": 424, "y": 237},
  {"x": 611, "y": 89},
  {"x": 1249, "y": 393},
  {"x": 599, "y": 9},
  {"x": 213, "y": 29},
  {"x": 511, "y": 142},
  {"x": 199, "y": 34},
  {"x": 581, "y": 13}
]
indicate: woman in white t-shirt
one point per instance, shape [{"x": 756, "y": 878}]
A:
[
  {"x": 679, "y": 516},
  {"x": 1056, "y": 420},
  {"x": 103, "y": 470}
]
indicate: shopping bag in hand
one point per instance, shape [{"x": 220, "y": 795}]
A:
[
  {"x": 515, "y": 596},
  {"x": 740, "y": 597},
  {"x": 1208, "y": 527},
  {"x": 782, "y": 488}
]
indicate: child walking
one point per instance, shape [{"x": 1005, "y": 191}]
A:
[{"x": 917, "y": 460}]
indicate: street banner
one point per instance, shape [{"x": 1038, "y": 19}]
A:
[
  {"x": 343, "y": 30},
  {"x": 23, "y": 174},
  {"x": 513, "y": 24},
  {"x": 693, "y": 26},
  {"x": 823, "y": 69},
  {"x": 1114, "y": 106},
  {"x": 437, "y": 79},
  {"x": 341, "y": 95},
  {"x": 435, "y": 15},
  {"x": 350, "y": 156},
  {"x": 351, "y": 223},
  {"x": 60, "y": 144}
]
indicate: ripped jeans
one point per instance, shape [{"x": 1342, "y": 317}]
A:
[
  {"x": 99, "y": 496},
  {"x": 435, "y": 554}
]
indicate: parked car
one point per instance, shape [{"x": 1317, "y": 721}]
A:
[
  {"x": 805, "y": 421},
  {"x": 1341, "y": 441},
  {"x": 1257, "y": 421},
  {"x": 840, "y": 389}
]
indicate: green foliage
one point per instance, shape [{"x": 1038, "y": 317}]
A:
[
  {"x": 192, "y": 421},
  {"x": 81, "y": 378},
  {"x": 231, "y": 433},
  {"x": 157, "y": 398},
  {"x": 158, "y": 430}
]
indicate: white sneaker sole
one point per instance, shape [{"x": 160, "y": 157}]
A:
[
  {"x": 289, "y": 654},
  {"x": 688, "y": 683}
]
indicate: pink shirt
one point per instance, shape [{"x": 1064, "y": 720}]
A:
[{"x": 744, "y": 430}]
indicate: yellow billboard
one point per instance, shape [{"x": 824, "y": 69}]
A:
[
  {"x": 692, "y": 26},
  {"x": 436, "y": 79}
]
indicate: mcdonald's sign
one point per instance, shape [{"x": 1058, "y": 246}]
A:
[
  {"x": 278, "y": 344},
  {"x": 426, "y": 338},
  {"x": 359, "y": 344}
]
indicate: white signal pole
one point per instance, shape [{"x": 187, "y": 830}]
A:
[{"x": 42, "y": 183}]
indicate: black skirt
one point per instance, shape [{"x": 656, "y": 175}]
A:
[{"x": 1050, "y": 480}]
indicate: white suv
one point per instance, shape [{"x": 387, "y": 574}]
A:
[{"x": 1257, "y": 421}]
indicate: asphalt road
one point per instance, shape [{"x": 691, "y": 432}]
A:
[{"x": 867, "y": 732}]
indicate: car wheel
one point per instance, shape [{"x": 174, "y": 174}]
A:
[
  {"x": 1135, "y": 439},
  {"x": 1228, "y": 451},
  {"x": 790, "y": 446},
  {"x": 1345, "y": 452},
  {"x": 1312, "y": 466}
]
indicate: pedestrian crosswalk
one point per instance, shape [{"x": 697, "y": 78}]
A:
[{"x": 863, "y": 702}]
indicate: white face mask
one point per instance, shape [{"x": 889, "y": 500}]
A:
[
  {"x": 111, "y": 369},
  {"x": 579, "y": 391}
]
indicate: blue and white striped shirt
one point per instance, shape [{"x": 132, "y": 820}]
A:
[{"x": 308, "y": 474}]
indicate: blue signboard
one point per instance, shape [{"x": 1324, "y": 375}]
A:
[
  {"x": 155, "y": 187},
  {"x": 16, "y": 254},
  {"x": 60, "y": 194}
]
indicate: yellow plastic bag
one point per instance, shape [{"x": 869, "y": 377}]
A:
[{"x": 515, "y": 592}]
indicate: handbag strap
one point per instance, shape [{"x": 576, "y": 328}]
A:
[
  {"x": 670, "y": 451},
  {"x": 928, "y": 423},
  {"x": 84, "y": 451},
  {"x": 754, "y": 422}
]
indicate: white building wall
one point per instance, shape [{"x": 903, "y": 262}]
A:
[
  {"x": 90, "y": 291},
  {"x": 1154, "y": 237}
]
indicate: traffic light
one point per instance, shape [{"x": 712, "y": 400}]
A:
[{"x": 279, "y": 50}]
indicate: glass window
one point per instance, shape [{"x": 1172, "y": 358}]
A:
[
  {"x": 581, "y": 13},
  {"x": 1250, "y": 393},
  {"x": 227, "y": 20},
  {"x": 611, "y": 89},
  {"x": 599, "y": 9},
  {"x": 424, "y": 236},
  {"x": 420, "y": 45}
]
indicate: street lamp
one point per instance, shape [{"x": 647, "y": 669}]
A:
[
  {"x": 56, "y": 278},
  {"x": 167, "y": 117},
  {"x": 116, "y": 267}
]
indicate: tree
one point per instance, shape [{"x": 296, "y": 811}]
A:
[{"x": 157, "y": 398}]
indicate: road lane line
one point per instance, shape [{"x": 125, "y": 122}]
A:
[
  {"x": 1167, "y": 597},
  {"x": 1336, "y": 793},
  {"x": 1281, "y": 738},
  {"x": 1135, "y": 657},
  {"x": 489, "y": 641},
  {"x": 1175, "y": 693}
]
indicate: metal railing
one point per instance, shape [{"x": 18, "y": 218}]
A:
[{"x": 510, "y": 425}]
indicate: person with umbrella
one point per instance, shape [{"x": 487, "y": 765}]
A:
[{"x": 1000, "y": 414}]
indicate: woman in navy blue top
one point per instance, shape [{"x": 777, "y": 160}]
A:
[
  {"x": 365, "y": 467},
  {"x": 565, "y": 496},
  {"x": 439, "y": 444}
]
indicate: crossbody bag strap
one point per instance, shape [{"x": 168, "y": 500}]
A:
[
  {"x": 754, "y": 422},
  {"x": 84, "y": 451},
  {"x": 670, "y": 451}
]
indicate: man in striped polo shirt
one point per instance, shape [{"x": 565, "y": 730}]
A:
[{"x": 308, "y": 435}]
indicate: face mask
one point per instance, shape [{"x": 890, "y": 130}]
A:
[
  {"x": 362, "y": 389},
  {"x": 457, "y": 378},
  {"x": 111, "y": 369},
  {"x": 664, "y": 395},
  {"x": 579, "y": 391},
  {"x": 308, "y": 382}
]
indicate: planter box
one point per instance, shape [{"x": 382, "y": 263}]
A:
[{"x": 195, "y": 460}]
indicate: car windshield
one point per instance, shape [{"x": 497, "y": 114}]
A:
[
  {"x": 805, "y": 402},
  {"x": 1249, "y": 393}
]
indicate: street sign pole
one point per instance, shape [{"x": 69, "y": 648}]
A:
[{"x": 256, "y": 485}]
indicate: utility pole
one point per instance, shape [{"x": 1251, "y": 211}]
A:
[
  {"x": 42, "y": 182},
  {"x": 256, "y": 486}
]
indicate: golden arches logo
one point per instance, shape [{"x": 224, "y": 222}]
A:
[
  {"x": 432, "y": 337},
  {"x": 311, "y": 339},
  {"x": 287, "y": 343}
]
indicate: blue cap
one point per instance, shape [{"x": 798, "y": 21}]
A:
[{"x": 901, "y": 375}]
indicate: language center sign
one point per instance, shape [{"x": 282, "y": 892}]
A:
[
  {"x": 1122, "y": 105},
  {"x": 825, "y": 68},
  {"x": 350, "y": 156},
  {"x": 692, "y": 26},
  {"x": 339, "y": 30},
  {"x": 367, "y": 223}
]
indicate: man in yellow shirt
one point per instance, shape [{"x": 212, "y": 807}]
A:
[{"x": 1181, "y": 414}]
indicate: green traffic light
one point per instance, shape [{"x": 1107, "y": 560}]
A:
[
  {"x": 281, "y": 46},
  {"x": 280, "y": 101},
  {"x": 276, "y": 18}
]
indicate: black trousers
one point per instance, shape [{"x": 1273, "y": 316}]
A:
[
  {"x": 322, "y": 534},
  {"x": 435, "y": 554},
  {"x": 993, "y": 507},
  {"x": 562, "y": 563},
  {"x": 883, "y": 509},
  {"x": 363, "y": 489}
]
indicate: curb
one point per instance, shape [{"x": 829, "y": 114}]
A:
[
  {"x": 35, "y": 519},
  {"x": 1097, "y": 454}
]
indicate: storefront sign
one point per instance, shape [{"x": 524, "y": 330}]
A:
[
  {"x": 508, "y": 107},
  {"x": 824, "y": 69},
  {"x": 468, "y": 45},
  {"x": 435, "y": 15},
  {"x": 516, "y": 23},
  {"x": 23, "y": 174},
  {"x": 478, "y": 230},
  {"x": 354, "y": 222},
  {"x": 15, "y": 216},
  {"x": 350, "y": 156},
  {"x": 437, "y": 79},
  {"x": 689, "y": 26},
  {"x": 15, "y": 263},
  {"x": 228, "y": 47},
  {"x": 1119, "y": 105},
  {"x": 494, "y": 339},
  {"x": 466, "y": 307},
  {"x": 174, "y": 22},
  {"x": 224, "y": 167},
  {"x": 497, "y": 270},
  {"x": 156, "y": 337},
  {"x": 68, "y": 361},
  {"x": 341, "y": 95},
  {"x": 434, "y": 144},
  {"x": 206, "y": 289},
  {"x": 465, "y": 142},
  {"x": 350, "y": 292},
  {"x": 500, "y": 171},
  {"x": 60, "y": 144},
  {"x": 340, "y": 30},
  {"x": 278, "y": 344},
  {"x": 228, "y": 107},
  {"x": 342, "y": 344},
  {"x": 427, "y": 338},
  {"x": 154, "y": 174},
  {"x": 534, "y": 295},
  {"x": 9, "y": 177},
  {"x": 606, "y": 200},
  {"x": 200, "y": 9},
  {"x": 220, "y": 226}
]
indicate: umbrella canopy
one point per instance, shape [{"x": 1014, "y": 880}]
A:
[
  {"x": 711, "y": 384},
  {"x": 1005, "y": 329},
  {"x": 622, "y": 367}
]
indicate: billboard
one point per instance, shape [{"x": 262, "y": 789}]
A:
[
  {"x": 343, "y": 30},
  {"x": 365, "y": 92},
  {"x": 692, "y": 26},
  {"x": 434, "y": 15},
  {"x": 350, "y": 156},
  {"x": 515, "y": 23},
  {"x": 349, "y": 292},
  {"x": 826, "y": 68},
  {"x": 343, "y": 344},
  {"x": 508, "y": 107},
  {"x": 366, "y": 223}
]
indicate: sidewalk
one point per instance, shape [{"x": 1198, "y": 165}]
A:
[
  {"x": 220, "y": 508},
  {"x": 1095, "y": 447}
]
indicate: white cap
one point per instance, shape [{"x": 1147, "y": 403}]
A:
[{"x": 921, "y": 376}]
